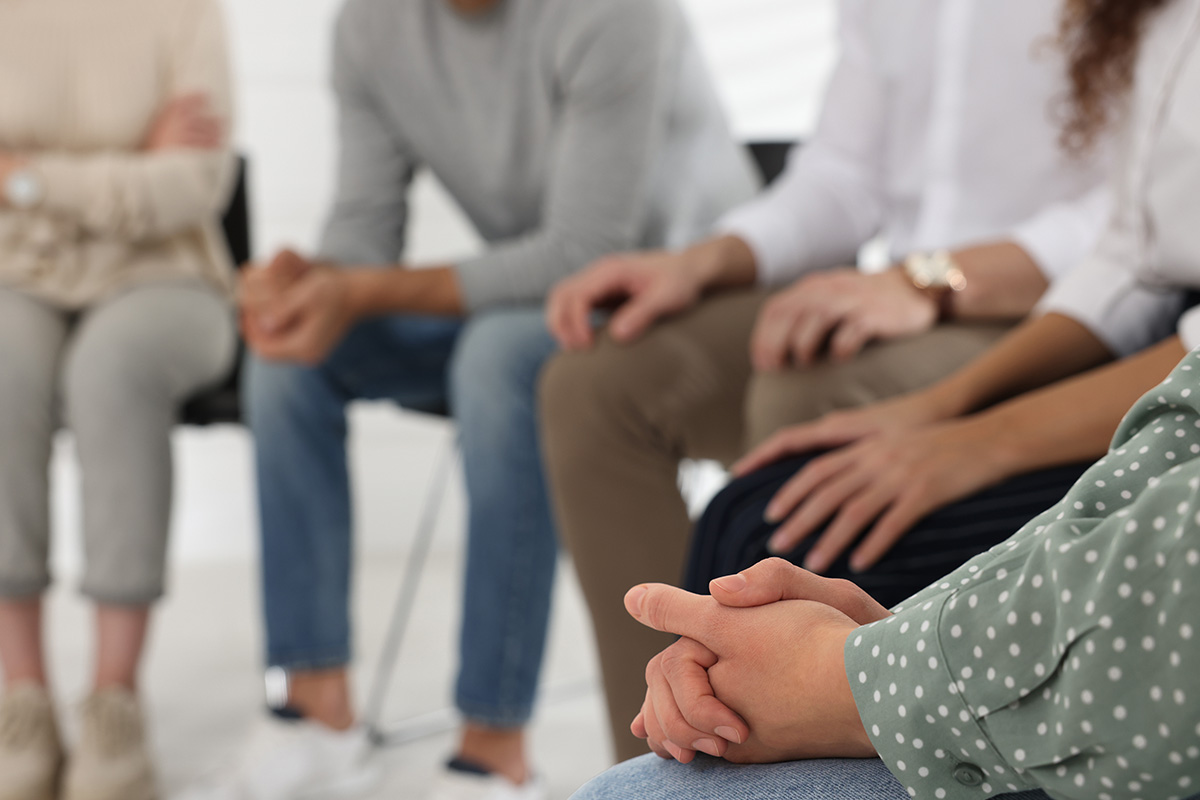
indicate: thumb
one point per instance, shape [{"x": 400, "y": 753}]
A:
[
  {"x": 774, "y": 579},
  {"x": 768, "y": 581},
  {"x": 671, "y": 610}
]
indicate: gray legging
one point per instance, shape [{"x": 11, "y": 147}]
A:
[{"x": 116, "y": 374}]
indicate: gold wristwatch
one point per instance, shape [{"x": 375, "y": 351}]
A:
[{"x": 938, "y": 275}]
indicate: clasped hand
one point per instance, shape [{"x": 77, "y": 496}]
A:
[
  {"x": 759, "y": 676},
  {"x": 294, "y": 309}
]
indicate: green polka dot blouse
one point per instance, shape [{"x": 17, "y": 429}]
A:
[{"x": 1068, "y": 657}]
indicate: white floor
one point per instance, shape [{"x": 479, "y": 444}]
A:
[{"x": 203, "y": 678}]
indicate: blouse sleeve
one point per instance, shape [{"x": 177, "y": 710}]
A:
[
  {"x": 140, "y": 196},
  {"x": 1067, "y": 658}
]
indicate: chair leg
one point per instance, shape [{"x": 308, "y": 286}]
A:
[{"x": 406, "y": 599}]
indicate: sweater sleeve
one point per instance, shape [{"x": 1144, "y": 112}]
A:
[
  {"x": 368, "y": 220},
  {"x": 829, "y": 201},
  {"x": 138, "y": 196},
  {"x": 1066, "y": 659},
  {"x": 615, "y": 67}
]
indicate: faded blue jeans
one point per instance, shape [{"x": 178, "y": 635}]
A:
[
  {"x": 652, "y": 778},
  {"x": 486, "y": 369}
]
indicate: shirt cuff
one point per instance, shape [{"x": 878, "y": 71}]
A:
[
  {"x": 1189, "y": 328},
  {"x": 1109, "y": 301},
  {"x": 913, "y": 708}
]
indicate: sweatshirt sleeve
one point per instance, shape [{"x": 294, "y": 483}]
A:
[
  {"x": 1066, "y": 659},
  {"x": 368, "y": 220},
  {"x": 829, "y": 200},
  {"x": 615, "y": 67},
  {"x": 140, "y": 196}
]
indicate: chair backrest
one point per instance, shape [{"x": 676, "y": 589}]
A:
[
  {"x": 222, "y": 403},
  {"x": 770, "y": 158}
]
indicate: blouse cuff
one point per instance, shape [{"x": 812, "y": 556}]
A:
[{"x": 912, "y": 705}]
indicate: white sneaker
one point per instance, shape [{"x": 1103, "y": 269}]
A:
[
  {"x": 460, "y": 784},
  {"x": 294, "y": 759}
]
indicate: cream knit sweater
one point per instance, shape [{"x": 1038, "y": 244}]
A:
[{"x": 80, "y": 83}]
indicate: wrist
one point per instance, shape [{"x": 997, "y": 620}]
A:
[
  {"x": 852, "y": 733},
  {"x": 359, "y": 288},
  {"x": 723, "y": 262}
]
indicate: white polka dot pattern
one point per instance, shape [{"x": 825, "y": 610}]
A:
[{"x": 1066, "y": 658}]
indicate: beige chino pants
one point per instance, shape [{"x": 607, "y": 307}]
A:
[{"x": 617, "y": 420}]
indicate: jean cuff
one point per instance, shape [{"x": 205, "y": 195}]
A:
[
  {"x": 489, "y": 715},
  {"x": 309, "y": 659}
]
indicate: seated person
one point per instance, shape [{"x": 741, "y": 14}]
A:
[
  {"x": 565, "y": 130},
  {"x": 115, "y": 306},
  {"x": 908, "y": 146},
  {"x": 914, "y": 478},
  {"x": 1057, "y": 662}
]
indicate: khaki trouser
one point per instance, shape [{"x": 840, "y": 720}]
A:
[{"x": 618, "y": 419}]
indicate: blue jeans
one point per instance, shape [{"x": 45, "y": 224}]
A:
[
  {"x": 486, "y": 371},
  {"x": 706, "y": 778}
]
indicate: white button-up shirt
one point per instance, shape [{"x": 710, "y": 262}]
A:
[
  {"x": 939, "y": 130},
  {"x": 1130, "y": 290}
]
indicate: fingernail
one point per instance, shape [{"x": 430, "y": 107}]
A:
[
  {"x": 731, "y": 583},
  {"x": 776, "y": 546},
  {"x": 674, "y": 750},
  {"x": 729, "y": 734},
  {"x": 772, "y": 516},
  {"x": 707, "y": 746},
  {"x": 636, "y": 595},
  {"x": 859, "y": 565},
  {"x": 815, "y": 563}
]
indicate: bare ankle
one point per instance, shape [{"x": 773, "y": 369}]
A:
[
  {"x": 501, "y": 751},
  {"x": 322, "y": 696}
]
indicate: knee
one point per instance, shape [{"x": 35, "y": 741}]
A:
[
  {"x": 588, "y": 393},
  {"x": 275, "y": 392},
  {"x": 108, "y": 386},
  {"x": 777, "y": 400},
  {"x": 643, "y": 777},
  {"x": 497, "y": 361}
]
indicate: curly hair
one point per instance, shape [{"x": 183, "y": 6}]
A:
[{"x": 1101, "y": 39}]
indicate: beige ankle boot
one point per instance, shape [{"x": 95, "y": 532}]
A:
[
  {"x": 31, "y": 754},
  {"x": 112, "y": 760}
]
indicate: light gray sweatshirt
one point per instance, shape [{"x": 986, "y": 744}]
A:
[{"x": 565, "y": 129}]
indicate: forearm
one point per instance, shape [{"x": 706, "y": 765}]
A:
[
  {"x": 1039, "y": 352},
  {"x": 1003, "y": 282},
  {"x": 393, "y": 290},
  {"x": 1073, "y": 421},
  {"x": 722, "y": 262}
]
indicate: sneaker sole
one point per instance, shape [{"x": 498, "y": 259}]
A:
[{"x": 359, "y": 785}]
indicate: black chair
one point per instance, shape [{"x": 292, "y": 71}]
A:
[
  {"x": 222, "y": 403},
  {"x": 770, "y": 158}
]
